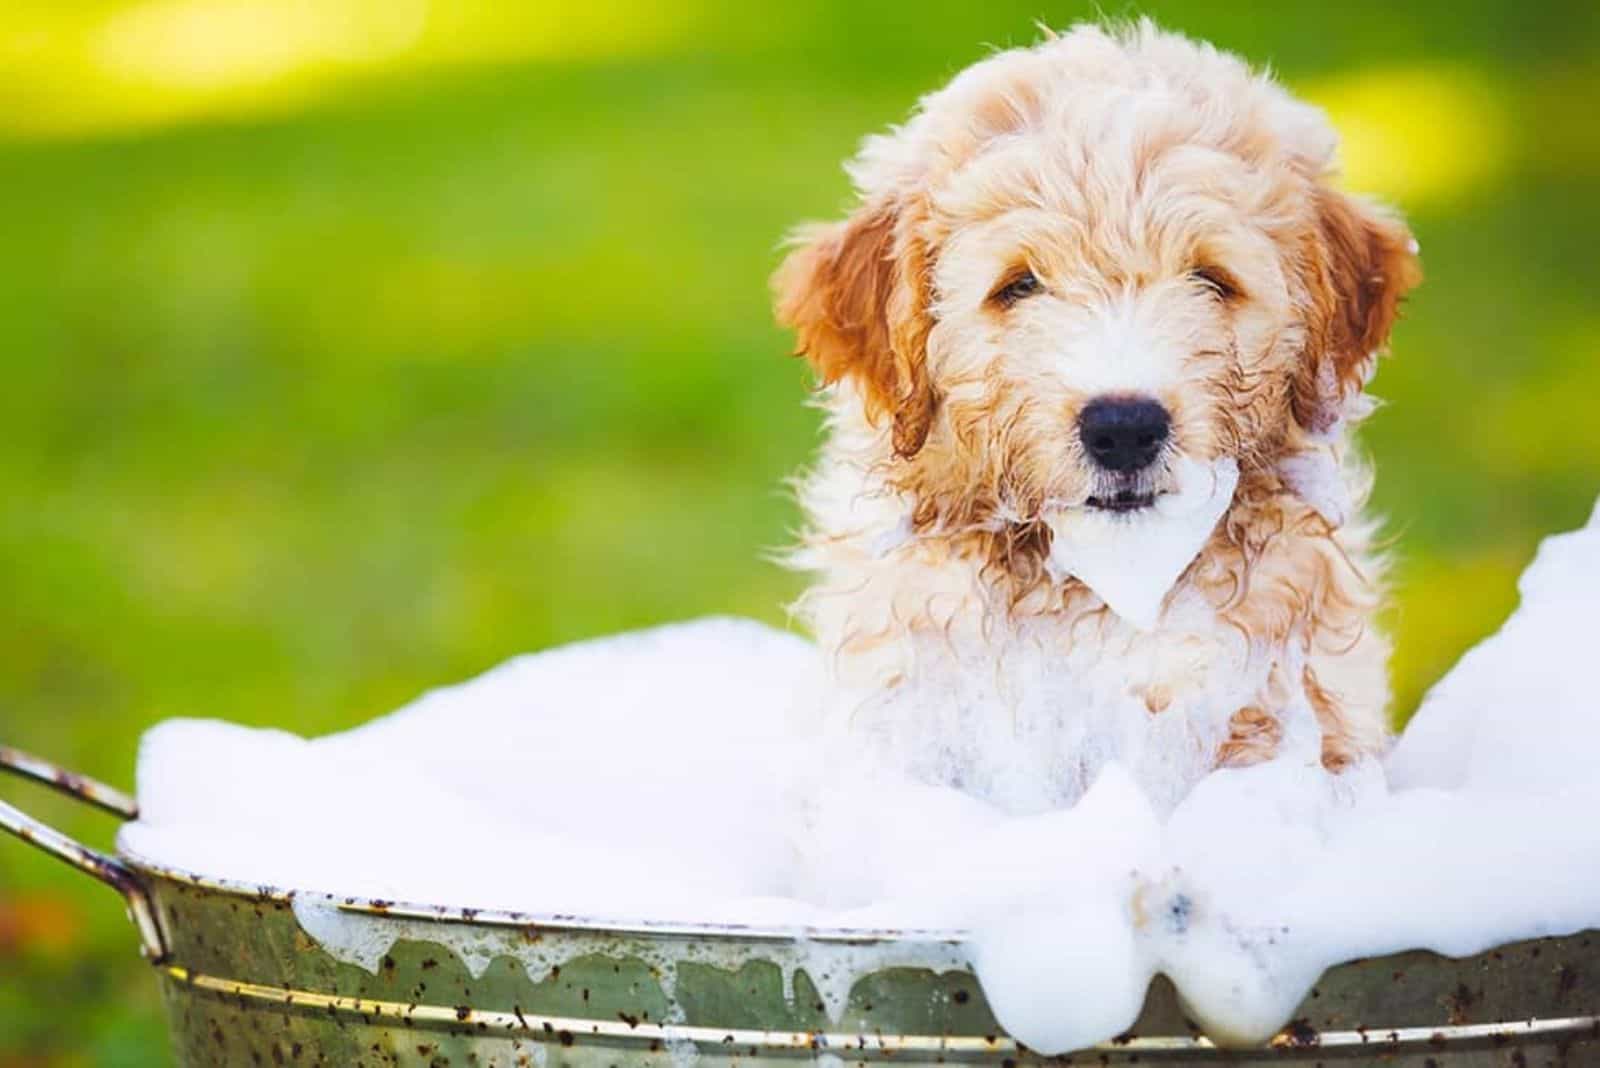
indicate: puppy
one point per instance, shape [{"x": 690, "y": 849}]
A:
[{"x": 1077, "y": 271}]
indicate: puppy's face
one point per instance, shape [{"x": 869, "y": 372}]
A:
[
  {"x": 1084, "y": 261},
  {"x": 1098, "y": 314}
]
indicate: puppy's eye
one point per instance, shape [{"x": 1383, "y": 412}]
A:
[
  {"x": 1017, "y": 287},
  {"x": 1217, "y": 280}
]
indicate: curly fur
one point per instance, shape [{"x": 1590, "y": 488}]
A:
[{"x": 1113, "y": 164}]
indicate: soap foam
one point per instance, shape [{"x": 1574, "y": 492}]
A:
[
  {"x": 1131, "y": 561},
  {"x": 677, "y": 774},
  {"x": 634, "y": 775}
]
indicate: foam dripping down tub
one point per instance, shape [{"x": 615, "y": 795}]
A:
[{"x": 255, "y": 975}]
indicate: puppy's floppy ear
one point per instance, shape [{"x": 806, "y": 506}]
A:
[
  {"x": 1361, "y": 263},
  {"x": 857, "y": 295}
]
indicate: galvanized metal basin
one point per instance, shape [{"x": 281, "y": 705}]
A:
[{"x": 264, "y": 975}]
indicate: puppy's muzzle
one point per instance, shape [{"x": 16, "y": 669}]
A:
[{"x": 1124, "y": 434}]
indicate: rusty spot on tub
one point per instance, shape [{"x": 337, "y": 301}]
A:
[
  {"x": 429, "y": 964},
  {"x": 1459, "y": 1004},
  {"x": 960, "y": 997},
  {"x": 463, "y": 1012},
  {"x": 631, "y": 1021},
  {"x": 1566, "y": 981},
  {"x": 1299, "y": 1034},
  {"x": 564, "y": 1037}
]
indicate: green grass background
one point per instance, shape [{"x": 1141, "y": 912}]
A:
[{"x": 339, "y": 374}]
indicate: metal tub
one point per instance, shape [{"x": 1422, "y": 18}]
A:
[{"x": 248, "y": 979}]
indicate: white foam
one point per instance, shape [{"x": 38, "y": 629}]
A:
[
  {"x": 1131, "y": 561},
  {"x": 668, "y": 752},
  {"x": 678, "y": 774}
]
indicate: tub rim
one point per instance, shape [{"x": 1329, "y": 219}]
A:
[{"x": 548, "y": 921}]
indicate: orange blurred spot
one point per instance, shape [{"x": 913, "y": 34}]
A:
[{"x": 37, "y": 924}]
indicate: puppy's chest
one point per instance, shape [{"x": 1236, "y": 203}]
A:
[
  {"x": 1027, "y": 712},
  {"x": 1190, "y": 660}
]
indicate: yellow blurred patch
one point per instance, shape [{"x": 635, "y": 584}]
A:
[
  {"x": 1414, "y": 134},
  {"x": 200, "y": 46},
  {"x": 76, "y": 70}
]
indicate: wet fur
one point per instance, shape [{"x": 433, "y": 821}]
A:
[{"x": 1113, "y": 162}]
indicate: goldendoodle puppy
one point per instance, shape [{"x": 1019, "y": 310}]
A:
[{"x": 1087, "y": 281}]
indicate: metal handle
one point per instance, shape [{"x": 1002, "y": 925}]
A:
[{"x": 101, "y": 866}]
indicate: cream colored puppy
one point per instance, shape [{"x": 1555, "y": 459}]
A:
[{"x": 1081, "y": 273}]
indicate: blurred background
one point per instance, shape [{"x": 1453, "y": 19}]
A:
[{"x": 352, "y": 346}]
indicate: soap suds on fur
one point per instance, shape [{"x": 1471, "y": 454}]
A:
[{"x": 1131, "y": 561}]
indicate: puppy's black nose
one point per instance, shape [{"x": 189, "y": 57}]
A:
[{"x": 1123, "y": 433}]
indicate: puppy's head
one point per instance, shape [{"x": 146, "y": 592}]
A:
[{"x": 1081, "y": 261}]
